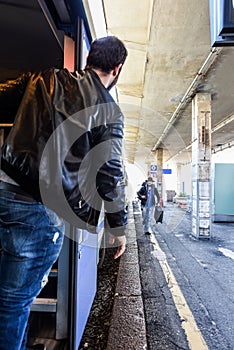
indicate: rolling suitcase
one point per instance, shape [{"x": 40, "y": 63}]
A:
[{"x": 158, "y": 214}]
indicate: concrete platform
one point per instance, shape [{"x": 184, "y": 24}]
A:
[
  {"x": 174, "y": 290},
  {"x": 127, "y": 329}
]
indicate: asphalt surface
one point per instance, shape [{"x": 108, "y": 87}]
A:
[{"x": 204, "y": 272}]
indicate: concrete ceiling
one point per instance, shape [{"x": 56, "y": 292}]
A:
[
  {"x": 170, "y": 59},
  {"x": 170, "y": 55}
]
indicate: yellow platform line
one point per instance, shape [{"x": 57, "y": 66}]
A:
[{"x": 194, "y": 336}]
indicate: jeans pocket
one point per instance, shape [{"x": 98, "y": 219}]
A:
[{"x": 13, "y": 235}]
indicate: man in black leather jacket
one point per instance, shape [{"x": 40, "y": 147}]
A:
[
  {"x": 62, "y": 158},
  {"x": 148, "y": 194}
]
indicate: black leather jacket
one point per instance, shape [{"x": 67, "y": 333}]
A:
[{"x": 65, "y": 145}]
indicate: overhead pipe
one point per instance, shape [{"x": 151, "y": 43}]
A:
[
  {"x": 222, "y": 147},
  {"x": 187, "y": 94},
  {"x": 220, "y": 125}
]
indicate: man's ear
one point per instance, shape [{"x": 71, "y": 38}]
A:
[{"x": 116, "y": 69}]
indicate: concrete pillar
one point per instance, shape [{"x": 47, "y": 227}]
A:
[
  {"x": 150, "y": 160},
  {"x": 178, "y": 189},
  {"x": 159, "y": 156},
  {"x": 201, "y": 164}
]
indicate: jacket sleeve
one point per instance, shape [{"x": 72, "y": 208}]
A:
[
  {"x": 11, "y": 94},
  {"x": 110, "y": 178},
  {"x": 141, "y": 193}
]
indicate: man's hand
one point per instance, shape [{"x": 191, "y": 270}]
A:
[{"x": 121, "y": 242}]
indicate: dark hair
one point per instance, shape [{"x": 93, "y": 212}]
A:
[{"x": 106, "y": 53}]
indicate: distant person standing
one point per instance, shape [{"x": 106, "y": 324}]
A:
[{"x": 148, "y": 192}]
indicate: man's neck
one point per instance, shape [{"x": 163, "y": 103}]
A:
[{"x": 105, "y": 78}]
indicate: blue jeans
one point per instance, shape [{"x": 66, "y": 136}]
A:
[
  {"x": 148, "y": 216},
  {"x": 31, "y": 238}
]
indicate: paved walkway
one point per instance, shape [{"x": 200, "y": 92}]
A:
[
  {"x": 160, "y": 273},
  {"x": 127, "y": 330}
]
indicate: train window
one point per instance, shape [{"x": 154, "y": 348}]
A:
[{"x": 222, "y": 22}]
